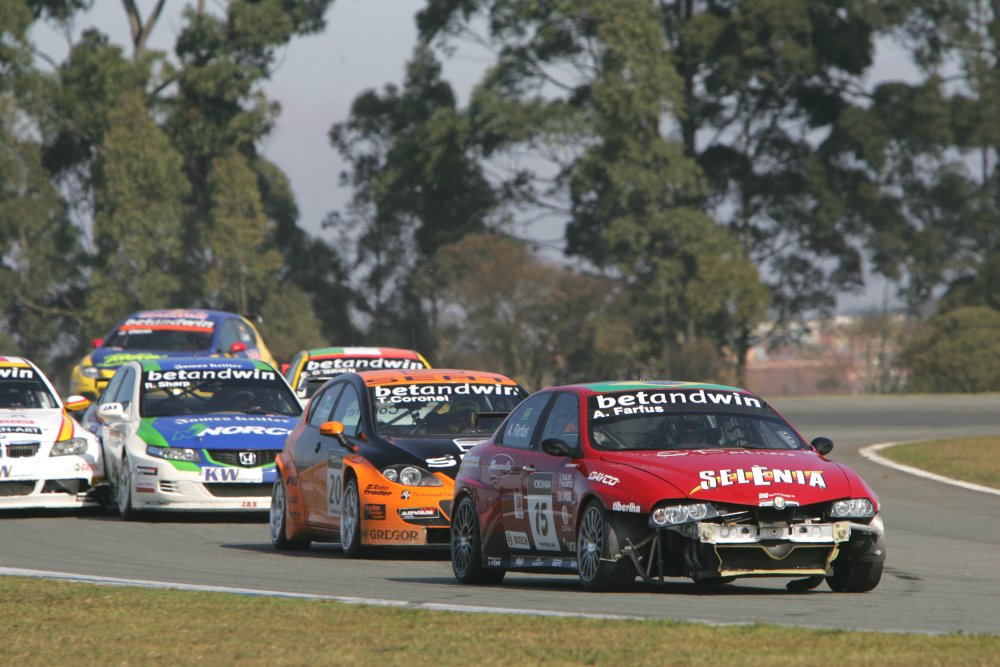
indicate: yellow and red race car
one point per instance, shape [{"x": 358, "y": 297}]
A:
[
  {"x": 309, "y": 369},
  {"x": 372, "y": 460},
  {"x": 160, "y": 334}
]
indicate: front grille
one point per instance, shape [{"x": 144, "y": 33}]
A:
[
  {"x": 9, "y": 489},
  {"x": 239, "y": 490},
  {"x": 169, "y": 487},
  {"x": 756, "y": 558},
  {"x": 22, "y": 450},
  {"x": 71, "y": 486},
  {"x": 231, "y": 457}
]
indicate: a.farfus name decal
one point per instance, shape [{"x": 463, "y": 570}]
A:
[
  {"x": 656, "y": 402},
  {"x": 758, "y": 476}
]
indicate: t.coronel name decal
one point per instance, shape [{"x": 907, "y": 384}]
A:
[
  {"x": 758, "y": 476},
  {"x": 655, "y": 402}
]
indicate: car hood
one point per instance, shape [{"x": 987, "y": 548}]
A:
[
  {"x": 435, "y": 454},
  {"x": 236, "y": 431},
  {"x": 111, "y": 358},
  {"x": 30, "y": 425},
  {"x": 745, "y": 476}
]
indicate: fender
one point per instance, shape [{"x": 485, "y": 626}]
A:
[{"x": 295, "y": 520}]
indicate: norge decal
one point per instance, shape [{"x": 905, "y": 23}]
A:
[
  {"x": 603, "y": 406},
  {"x": 759, "y": 476}
]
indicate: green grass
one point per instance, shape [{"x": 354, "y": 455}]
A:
[
  {"x": 61, "y": 623},
  {"x": 975, "y": 460}
]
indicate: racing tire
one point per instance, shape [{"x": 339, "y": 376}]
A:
[
  {"x": 467, "y": 547},
  {"x": 126, "y": 510},
  {"x": 598, "y": 543},
  {"x": 859, "y": 568},
  {"x": 350, "y": 521},
  {"x": 278, "y": 521}
]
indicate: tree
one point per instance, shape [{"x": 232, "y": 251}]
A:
[
  {"x": 493, "y": 305},
  {"x": 957, "y": 351}
]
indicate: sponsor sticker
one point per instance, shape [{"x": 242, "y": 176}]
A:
[
  {"x": 606, "y": 406},
  {"x": 759, "y": 476},
  {"x": 602, "y": 478},
  {"x": 377, "y": 490},
  {"x": 500, "y": 465},
  {"x": 371, "y": 535},
  {"x": 540, "y": 507},
  {"x": 517, "y": 540},
  {"x": 632, "y": 507},
  {"x": 218, "y": 475},
  {"x": 30, "y": 430},
  {"x": 375, "y": 511},
  {"x": 408, "y": 513},
  {"x": 410, "y": 393}
]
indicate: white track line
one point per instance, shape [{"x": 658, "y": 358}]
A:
[{"x": 871, "y": 453}]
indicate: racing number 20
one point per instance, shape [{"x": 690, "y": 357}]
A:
[{"x": 335, "y": 489}]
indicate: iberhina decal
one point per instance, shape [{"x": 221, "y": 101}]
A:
[
  {"x": 603, "y": 406},
  {"x": 759, "y": 476}
]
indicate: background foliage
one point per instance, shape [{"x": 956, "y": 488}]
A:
[{"x": 723, "y": 169}]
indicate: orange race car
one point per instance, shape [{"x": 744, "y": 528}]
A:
[{"x": 372, "y": 460}]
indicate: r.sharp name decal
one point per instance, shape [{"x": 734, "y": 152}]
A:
[
  {"x": 759, "y": 476},
  {"x": 653, "y": 402}
]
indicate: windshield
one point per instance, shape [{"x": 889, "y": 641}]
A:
[
  {"x": 199, "y": 391},
  {"x": 171, "y": 340},
  {"x": 637, "y": 421},
  {"x": 442, "y": 409},
  {"x": 30, "y": 394}
]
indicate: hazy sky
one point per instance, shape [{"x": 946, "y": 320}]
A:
[{"x": 365, "y": 45}]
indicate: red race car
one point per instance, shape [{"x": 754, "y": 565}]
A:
[{"x": 661, "y": 479}]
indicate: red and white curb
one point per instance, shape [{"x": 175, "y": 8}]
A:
[{"x": 871, "y": 452}]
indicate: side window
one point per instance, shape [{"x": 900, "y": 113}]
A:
[
  {"x": 126, "y": 388},
  {"x": 564, "y": 420},
  {"x": 519, "y": 428},
  {"x": 109, "y": 393},
  {"x": 245, "y": 334},
  {"x": 348, "y": 411},
  {"x": 228, "y": 334},
  {"x": 322, "y": 405},
  {"x": 292, "y": 367}
]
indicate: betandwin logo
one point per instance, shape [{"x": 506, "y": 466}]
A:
[{"x": 655, "y": 402}]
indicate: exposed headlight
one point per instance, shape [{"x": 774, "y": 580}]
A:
[
  {"x": 175, "y": 453},
  {"x": 675, "y": 514},
  {"x": 90, "y": 372},
  {"x": 71, "y": 447},
  {"x": 853, "y": 508},
  {"x": 410, "y": 476}
]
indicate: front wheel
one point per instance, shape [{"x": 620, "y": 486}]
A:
[
  {"x": 126, "y": 510},
  {"x": 598, "y": 544},
  {"x": 278, "y": 520},
  {"x": 858, "y": 569},
  {"x": 467, "y": 547},
  {"x": 350, "y": 521}
]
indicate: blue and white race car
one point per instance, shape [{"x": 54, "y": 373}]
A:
[
  {"x": 47, "y": 460},
  {"x": 194, "y": 433}
]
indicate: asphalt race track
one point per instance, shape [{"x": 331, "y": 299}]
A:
[{"x": 942, "y": 573}]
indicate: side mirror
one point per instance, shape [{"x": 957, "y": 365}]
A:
[
  {"x": 237, "y": 348},
  {"x": 111, "y": 413},
  {"x": 557, "y": 447},
  {"x": 96, "y": 342},
  {"x": 284, "y": 368},
  {"x": 335, "y": 429},
  {"x": 822, "y": 445},
  {"x": 76, "y": 403}
]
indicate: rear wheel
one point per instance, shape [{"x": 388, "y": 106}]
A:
[
  {"x": 350, "y": 521},
  {"x": 858, "y": 569},
  {"x": 278, "y": 520},
  {"x": 597, "y": 544},
  {"x": 126, "y": 510},
  {"x": 467, "y": 547}
]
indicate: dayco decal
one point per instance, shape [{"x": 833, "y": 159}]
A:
[
  {"x": 759, "y": 476},
  {"x": 652, "y": 402},
  {"x": 603, "y": 478}
]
